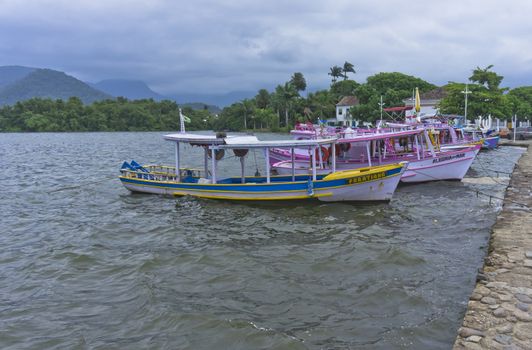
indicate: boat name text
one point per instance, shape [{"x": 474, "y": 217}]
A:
[
  {"x": 366, "y": 178},
  {"x": 443, "y": 159}
]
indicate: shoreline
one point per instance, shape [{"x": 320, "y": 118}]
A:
[{"x": 499, "y": 311}]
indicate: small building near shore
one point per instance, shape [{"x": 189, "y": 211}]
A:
[
  {"x": 343, "y": 115},
  {"x": 429, "y": 103}
]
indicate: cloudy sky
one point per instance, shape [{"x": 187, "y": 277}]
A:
[{"x": 217, "y": 46}]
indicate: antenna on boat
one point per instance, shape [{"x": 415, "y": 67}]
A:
[
  {"x": 466, "y": 92},
  {"x": 380, "y": 105},
  {"x": 181, "y": 121},
  {"x": 417, "y": 105}
]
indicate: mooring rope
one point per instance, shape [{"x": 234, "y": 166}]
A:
[
  {"x": 526, "y": 206},
  {"x": 503, "y": 184}
]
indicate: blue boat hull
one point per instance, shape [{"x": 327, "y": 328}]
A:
[
  {"x": 369, "y": 184},
  {"x": 491, "y": 142}
]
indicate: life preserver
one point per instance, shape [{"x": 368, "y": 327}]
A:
[
  {"x": 392, "y": 144},
  {"x": 324, "y": 154},
  {"x": 337, "y": 149}
]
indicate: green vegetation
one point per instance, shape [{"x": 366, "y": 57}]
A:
[
  {"x": 393, "y": 87},
  {"x": 281, "y": 109},
  {"x": 487, "y": 97},
  {"x": 121, "y": 114},
  {"x": 277, "y": 110}
]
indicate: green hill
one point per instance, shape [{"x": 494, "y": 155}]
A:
[
  {"x": 10, "y": 74},
  {"x": 201, "y": 106},
  {"x": 47, "y": 83}
]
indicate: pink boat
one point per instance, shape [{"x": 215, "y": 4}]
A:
[{"x": 356, "y": 150}]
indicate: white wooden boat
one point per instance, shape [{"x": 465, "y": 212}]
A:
[{"x": 372, "y": 183}]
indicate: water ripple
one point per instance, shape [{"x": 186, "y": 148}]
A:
[{"x": 85, "y": 264}]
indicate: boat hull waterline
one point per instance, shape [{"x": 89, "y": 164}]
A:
[
  {"x": 366, "y": 184},
  {"x": 451, "y": 165}
]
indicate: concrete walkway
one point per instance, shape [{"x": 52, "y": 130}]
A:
[{"x": 499, "y": 312}]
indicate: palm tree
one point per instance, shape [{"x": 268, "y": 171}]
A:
[
  {"x": 299, "y": 82},
  {"x": 263, "y": 98},
  {"x": 247, "y": 107},
  {"x": 335, "y": 73},
  {"x": 348, "y": 68},
  {"x": 322, "y": 103},
  {"x": 285, "y": 94}
]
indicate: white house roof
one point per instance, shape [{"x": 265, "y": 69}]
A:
[{"x": 348, "y": 101}]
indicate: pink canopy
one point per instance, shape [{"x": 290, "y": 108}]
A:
[{"x": 398, "y": 109}]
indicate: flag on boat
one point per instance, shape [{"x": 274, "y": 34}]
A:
[
  {"x": 418, "y": 101},
  {"x": 185, "y": 118}
]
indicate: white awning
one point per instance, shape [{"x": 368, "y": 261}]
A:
[
  {"x": 195, "y": 138},
  {"x": 245, "y": 142},
  {"x": 379, "y": 136},
  {"x": 238, "y": 141}
]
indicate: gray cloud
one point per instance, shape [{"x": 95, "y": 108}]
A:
[{"x": 211, "y": 46}]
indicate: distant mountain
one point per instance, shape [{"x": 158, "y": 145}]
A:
[
  {"x": 47, "y": 83},
  {"x": 10, "y": 74},
  {"x": 222, "y": 100},
  {"x": 137, "y": 89},
  {"x": 130, "y": 89},
  {"x": 199, "y": 106},
  {"x": 19, "y": 83}
]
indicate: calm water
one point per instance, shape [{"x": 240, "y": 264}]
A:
[{"x": 86, "y": 264}]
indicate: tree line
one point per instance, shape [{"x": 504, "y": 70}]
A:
[
  {"x": 274, "y": 111},
  {"x": 285, "y": 106},
  {"x": 487, "y": 97},
  {"x": 38, "y": 114}
]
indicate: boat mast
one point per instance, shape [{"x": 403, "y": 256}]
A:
[
  {"x": 368, "y": 152},
  {"x": 417, "y": 147},
  {"x": 333, "y": 148},
  {"x": 242, "y": 169},
  {"x": 465, "y": 92},
  {"x": 292, "y": 155},
  {"x": 177, "y": 173},
  {"x": 313, "y": 157},
  {"x": 206, "y": 161},
  {"x": 181, "y": 121},
  {"x": 267, "y": 157},
  {"x": 213, "y": 159}
]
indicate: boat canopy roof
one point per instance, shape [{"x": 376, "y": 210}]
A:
[
  {"x": 253, "y": 142},
  {"x": 380, "y": 136},
  {"x": 397, "y": 109},
  {"x": 194, "y": 138},
  {"x": 236, "y": 141}
]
